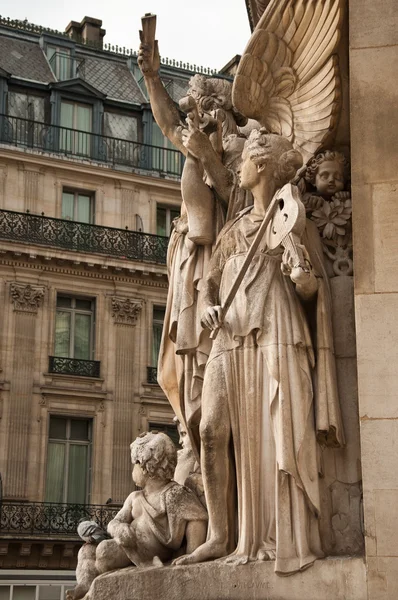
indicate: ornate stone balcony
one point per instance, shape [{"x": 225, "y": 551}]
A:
[
  {"x": 47, "y": 520},
  {"x": 82, "y": 237},
  {"x": 89, "y": 146}
]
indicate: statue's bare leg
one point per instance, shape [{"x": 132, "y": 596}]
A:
[
  {"x": 110, "y": 556},
  {"x": 215, "y": 433},
  {"x": 86, "y": 572}
]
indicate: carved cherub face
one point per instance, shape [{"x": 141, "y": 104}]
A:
[
  {"x": 329, "y": 178},
  {"x": 139, "y": 476}
]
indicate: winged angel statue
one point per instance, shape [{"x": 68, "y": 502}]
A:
[
  {"x": 269, "y": 379},
  {"x": 288, "y": 77}
]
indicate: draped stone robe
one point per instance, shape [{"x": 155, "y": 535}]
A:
[
  {"x": 185, "y": 345},
  {"x": 262, "y": 364}
]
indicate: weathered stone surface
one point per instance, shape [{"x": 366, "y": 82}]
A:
[
  {"x": 386, "y": 519},
  {"x": 371, "y": 72},
  {"x": 377, "y": 330},
  {"x": 379, "y": 443},
  {"x": 363, "y": 238},
  {"x": 373, "y": 23},
  {"x": 348, "y": 459},
  {"x": 342, "y": 289},
  {"x": 385, "y": 200},
  {"x": 332, "y": 579},
  {"x": 370, "y": 524},
  {"x": 382, "y": 578}
]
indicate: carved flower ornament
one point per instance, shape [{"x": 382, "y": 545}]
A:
[{"x": 332, "y": 217}]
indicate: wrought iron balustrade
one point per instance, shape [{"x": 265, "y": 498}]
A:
[
  {"x": 74, "y": 366},
  {"x": 82, "y": 237},
  {"x": 47, "y": 519},
  {"x": 90, "y": 146},
  {"x": 152, "y": 375}
]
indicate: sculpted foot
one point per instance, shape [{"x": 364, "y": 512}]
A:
[
  {"x": 266, "y": 554},
  {"x": 236, "y": 559},
  {"x": 207, "y": 551}
]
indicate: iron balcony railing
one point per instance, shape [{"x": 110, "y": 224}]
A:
[
  {"x": 74, "y": 366},
  {"x": 47, "y": 519},
  {"x": 152, "y": 375},
  {"x": 90, "y": 146},
  {"x": 82, "y": 237}
]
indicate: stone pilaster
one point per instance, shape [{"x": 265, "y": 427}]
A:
[
  {"x": 27, "y": 300},
  {"x": 125, "y": 313}
]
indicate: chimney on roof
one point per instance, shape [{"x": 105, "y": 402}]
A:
[{"x": 88, "y": 32}]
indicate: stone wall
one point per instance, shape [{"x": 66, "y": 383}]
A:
[{"x": 374, "y": 134}]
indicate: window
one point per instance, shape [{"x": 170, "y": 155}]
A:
[
  {"x": 26, "y": 113},
  {"x": 123, "y": 131},
  {"x": 61, "y": 62},
  {"x": 26, "y": 106},
  {"x": 164, "y": 219},
  {"x": 74, "y": 328},
  {"x": 29, "y": 591},
  {"x": 157, "y": 328},
  {"x": 68, "y": 460},
  {"x": 169, "y": 429},
  {"x": 78, "y": 206},
  {"x": 76, "y": 119},
  {"x": 119, "y": 126},
  {"x": 164, "y": 157}
]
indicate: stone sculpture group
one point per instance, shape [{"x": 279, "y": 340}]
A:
[{"x": 247, "y": 359}]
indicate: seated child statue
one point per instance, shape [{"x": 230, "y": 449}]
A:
[{"x": 153, "y": 523}]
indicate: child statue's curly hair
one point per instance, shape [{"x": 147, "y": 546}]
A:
[{"x": 156, "y": 454}]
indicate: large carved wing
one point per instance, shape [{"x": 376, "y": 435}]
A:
[{"x": 288, "y": 77}]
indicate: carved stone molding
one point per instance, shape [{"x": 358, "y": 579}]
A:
[
  {"x": 125, "y": 311},
  {"x": 26, "y": 297}
]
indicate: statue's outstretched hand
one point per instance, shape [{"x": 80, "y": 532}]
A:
[
  {"x": 149, "y": 58},
  {"x": 212, "y": 317}
]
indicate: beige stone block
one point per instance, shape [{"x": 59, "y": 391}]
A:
[
  {"x": 389, "y": 566},
  {"x": 377, "y": 335},
  {"x": 386, "y": 519},
  {"x": 373, "y": 23},
  {"x": 377, "y": 581},
  {"x": 332, "y": 579},
  {"x": 373, "y": 123},
  {"x": 370, "y": 523},
  {"x": 379, "y": 443},
  {"x": 385, "y": 202},
  {"x": 363, "y": 236}
]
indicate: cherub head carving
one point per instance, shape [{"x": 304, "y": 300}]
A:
[
  {"x": 212, "y": 94},
  {"x": 268, "y": 155},
  {"x": 328, "y": 172},
  {"x": 153, "y": 455}
]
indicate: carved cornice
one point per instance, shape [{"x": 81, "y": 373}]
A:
[
  {"x": 125, "y": 311},
  {"x": 85, "y": 273},
  {"x": 26, "y": 297}
]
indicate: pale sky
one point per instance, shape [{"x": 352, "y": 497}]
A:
[{"x": 207, "y": 33}]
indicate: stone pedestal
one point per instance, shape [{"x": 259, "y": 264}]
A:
[{"x": 330, "y": 579}]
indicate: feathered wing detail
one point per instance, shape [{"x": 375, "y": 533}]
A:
[{"x": 288, "y": 77}]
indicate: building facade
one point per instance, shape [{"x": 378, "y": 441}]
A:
[{"x": 89, "y": 188}]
